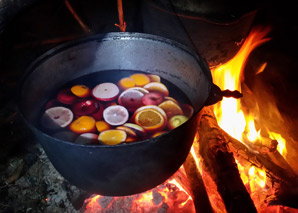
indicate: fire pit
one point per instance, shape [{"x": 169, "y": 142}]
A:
[{"x": 29, "y": 182}]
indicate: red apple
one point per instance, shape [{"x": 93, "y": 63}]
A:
[
  {"x": 65, "y": 96},
  {"x": 153, "y": 98},
  {"x": 187, "y": 110},
  {"x": 98, "y": 115},
  {"x": 137, "y": 129},
  {"x": 106, "y": 91},
  {"x": 86, "y": 107},
  {"x": 131, "y": 99},
  {"x": 52, "y": 103}
]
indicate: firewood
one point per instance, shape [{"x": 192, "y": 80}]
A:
[
  {"x": 221, "y": 165},
  {"x": 272, "y": 162},
  {"x": 197, "y": 187}
]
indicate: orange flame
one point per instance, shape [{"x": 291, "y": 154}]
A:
[
  {"x": 246, "y": 125},
  {"x": 228, "y": 112}
]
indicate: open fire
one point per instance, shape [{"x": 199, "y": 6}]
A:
[{"x": 252, "y": 122}]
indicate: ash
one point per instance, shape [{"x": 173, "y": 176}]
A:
[{"x": 29, "y": 182}]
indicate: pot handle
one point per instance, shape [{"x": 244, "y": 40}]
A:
[{"x": 216, "y": 95}]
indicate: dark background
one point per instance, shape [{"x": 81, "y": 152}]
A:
[{"x": 32, "y": 27}]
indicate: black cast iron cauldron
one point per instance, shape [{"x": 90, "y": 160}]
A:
[{"x": 126, "y": 168}]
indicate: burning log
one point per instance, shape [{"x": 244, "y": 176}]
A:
[
  {"x": 221, "y": 165},
  {"x": 198, "y": 190}
]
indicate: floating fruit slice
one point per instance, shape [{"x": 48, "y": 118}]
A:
[
  {"x": 65, "y": 135},
  {"x": 131, "y": 99},
  {"x": 187, "y": 110},
  {"x": 154, "y": 78},
  {"x": 112, "y": 137},
  {"x": 81, "y": 91},
  {"x": 156, "y": 134},
  {"x": 86, "y": 107},
  {"x": 140, "y": 79},
  {"x": 171, "y": 99},
  {"x": 83, "y": 124},
  {"x": 115, "y": 115},
  {"x": 130, "y": 139},
  {"x": 65, "y": 96},
  {"x": 99, "y": 113},
  {"x": 136, "y": 128},
  {"x": 141, "y": 89},
  {"x": 102, "y": 126},
  {"x": 152, "y": 98},
  {"x": 105, "y": 91},
  {"x": 157, "y": 87},
  {"x": 52, "y": 103},
  {"x": 56, "y": 117},
  {"x": 87, "y": 138},
  {"x": 171, "y": 108},
  {"x": 151, "y": 120},
  {"x": 125, "y": 83},
  {"x": 157, "y": 108},
  {"x": 128, "y": 131},
  {"x": 176, "y": 121}
]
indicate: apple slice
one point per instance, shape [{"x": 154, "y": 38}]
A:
[
  {"x": 128, "y": 131},
  {"x": 56, "y": 117},
  {"x": 99, "y": 113},
  {"x": 176, "y": 121},
  {"x": 87, "y": 138},
  {"x": 153, "y": 98},
  {"x": 141, "y": 89},
  {"x": 65, "y": 96},
  {"x": 137, "y": 129},
  {"x": 86, "y": 107},
  {"x": 106, "y": 91},
  {"x": 131, "y": 99},
  {"x": 115, "y": 115},
  {"x": 187, "y": 110}
]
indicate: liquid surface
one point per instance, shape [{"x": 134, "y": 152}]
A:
[{"x": 113, "y": 107}]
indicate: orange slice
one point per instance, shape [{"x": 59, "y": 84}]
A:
[
  {"x": 102, "y": 126},
  {"x": 83, "y": 124},
  {"x": 112, "y": 137},
  {"x": 156, "y": 134},
  {"x": 151, "y": 120},
  {"x": 81, "y": 91},
  {"x": 126, "y": 83},
  {"x": 157, "y": 87},
  {"x": 171, "y": 108},
  {"x": 157, "y": 108},
  {"x": 140, "y": 79}
]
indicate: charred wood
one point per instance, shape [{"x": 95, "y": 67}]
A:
[
  {"x": 198, "y": 190},
  {"x": 221, "y": 165}
]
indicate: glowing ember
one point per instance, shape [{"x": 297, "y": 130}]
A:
[{"x": 167, "y": 197}]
